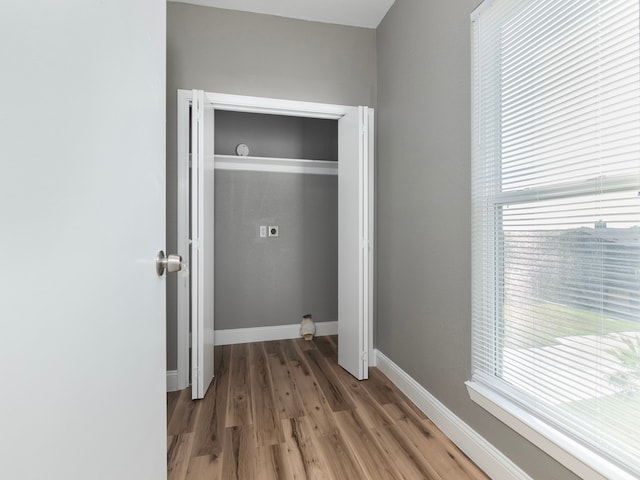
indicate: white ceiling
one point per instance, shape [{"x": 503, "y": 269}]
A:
[{"x": 358, "y": 13}]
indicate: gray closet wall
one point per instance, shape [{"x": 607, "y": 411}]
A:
[
  {"x": 262, "y": 282},
  {"x": 277, "y": 135},
  {"x": 274, "y": 281}
]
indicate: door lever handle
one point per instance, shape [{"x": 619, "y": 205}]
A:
[{"x": 170, "y": 263}]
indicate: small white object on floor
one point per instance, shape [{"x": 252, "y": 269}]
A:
[{"x": 307, "y": 327}]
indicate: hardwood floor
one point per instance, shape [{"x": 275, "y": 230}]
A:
[{"x": 285, "y": 410}]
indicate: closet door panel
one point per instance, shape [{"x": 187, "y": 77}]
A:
[
  {"x": 202, "y": 248},
  {"x": 352, "y": 242},
  {"x": 194, "y": 263}
]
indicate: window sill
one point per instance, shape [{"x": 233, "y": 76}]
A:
[{"x": 580, "y": 460}]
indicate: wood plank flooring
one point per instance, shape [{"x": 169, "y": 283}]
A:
[{"x": 285, "y": 410}]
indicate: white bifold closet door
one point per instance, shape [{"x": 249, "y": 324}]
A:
[
  {"x": 353, "y": 241},
  {"x": 202, "y": 230},
  {"x": 354, "y": 227}
]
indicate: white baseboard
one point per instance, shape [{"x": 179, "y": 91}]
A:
[
  {"x": 172, "y": 380},
  {"x": 373, "y": 358},
  {"x": 263, "y": 334},
  {"x": 476, "y": 447}
]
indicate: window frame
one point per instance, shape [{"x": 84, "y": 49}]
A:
[{"x": 577, "y": 457}]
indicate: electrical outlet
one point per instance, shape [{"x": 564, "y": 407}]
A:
[
  {"x": 263, "y": 231},
  {"x": 274, "y": 230}
]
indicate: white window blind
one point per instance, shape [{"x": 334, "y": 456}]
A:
[{"x": 556, "y": 215}]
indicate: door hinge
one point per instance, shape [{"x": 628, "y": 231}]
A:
[{"x": 364, "y": 356}]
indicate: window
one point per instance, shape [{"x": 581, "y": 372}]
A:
[{"x": 556, "y": 226}]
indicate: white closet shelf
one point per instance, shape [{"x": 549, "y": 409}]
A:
[{"x": 281, "y": 165}]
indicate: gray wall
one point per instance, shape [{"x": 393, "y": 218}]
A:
[
  {"x": 424, "y": 215},
  {"x": 249, "y": 54},
  {"x": 276, "y": 135},
  {"x": 274, "y": 281}
]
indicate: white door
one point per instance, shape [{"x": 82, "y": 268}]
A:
[
  {"x": 202, "y": 238},
  {"x": 353, "y": 242},
  {"x": 82, "y": 215}
]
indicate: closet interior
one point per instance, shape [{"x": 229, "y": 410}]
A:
[{"x": 288, "y": 180}]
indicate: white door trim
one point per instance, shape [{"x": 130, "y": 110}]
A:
[
  {"x": 252, "y": 105},
  {"x": 371, "y": 236}
]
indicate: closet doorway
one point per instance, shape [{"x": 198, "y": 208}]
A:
[{"x": 197, "y": 164}]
